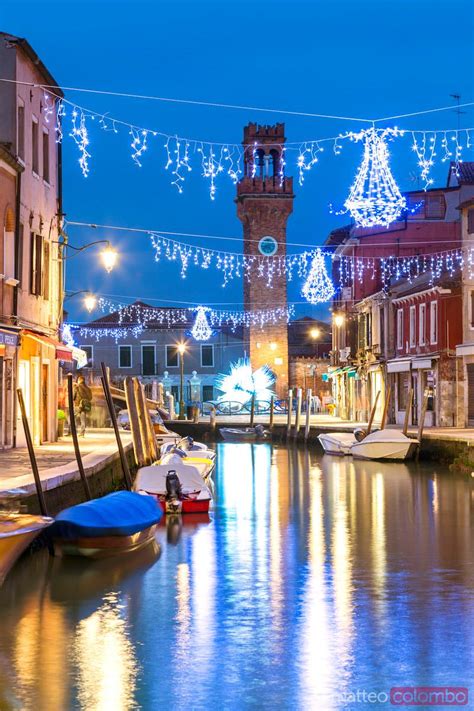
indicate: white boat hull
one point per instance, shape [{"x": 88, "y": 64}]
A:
[
  {"x": 338, "y": 443},
  {"x": 385, "y": 444}
]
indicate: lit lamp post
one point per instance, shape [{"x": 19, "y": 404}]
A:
[
  {"x": 315, "y": 333},
  {"x": 90, "y": 301},
  {"x": 181, "y": 351}
]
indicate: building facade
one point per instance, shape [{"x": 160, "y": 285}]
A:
[
  {"x": 382, "y": 337},
  {"x": 153, "y": 356},
  {"x": 32, "y": 289},
  {"x": 264, "y": 203},
  {"x": 465, "y": 348}
]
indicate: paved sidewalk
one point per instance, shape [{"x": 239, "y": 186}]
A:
[{"x": 57, "y": 461}]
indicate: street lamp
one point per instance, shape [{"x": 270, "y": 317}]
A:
[
  {"x": 90, "y": 301},
  {"x": 108, "y": 255},
  {"x": 338, "y": 320},
  {"x": 315, "y": 333},
  {"x": 181, "y": 351}
]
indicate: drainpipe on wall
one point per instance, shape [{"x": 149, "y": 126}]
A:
[{"x": 18, "y": 266}]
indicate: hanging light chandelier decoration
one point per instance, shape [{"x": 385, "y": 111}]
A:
[
  {"x": 375, "y": 198},
  {"x": 201, "y": 331},
  {"x": 318, "y": 286}
]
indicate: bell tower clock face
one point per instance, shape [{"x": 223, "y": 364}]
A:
[{"x": 268, "y": 246}]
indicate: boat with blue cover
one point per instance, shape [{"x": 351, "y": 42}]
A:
[{"x": 117, "y": 523}]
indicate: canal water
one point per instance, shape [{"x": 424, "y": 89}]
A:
[{"x": 316, "y": 581}]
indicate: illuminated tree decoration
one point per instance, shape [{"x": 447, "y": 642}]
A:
[
  {"x": 242, "y": 383},
  {"x": 201, "y": 331},
  {"x": 375, "y": 198},
  {"x": 318, "y": 286}
]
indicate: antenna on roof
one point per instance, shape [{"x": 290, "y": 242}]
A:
[{"x": 457, "y": 110}]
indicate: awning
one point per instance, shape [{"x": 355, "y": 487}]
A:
[
  {"x": 337, "y": 371},
  {"x": 422, "y": 363},
  {"x": 465, "y": 349},
  {"x": 399, "y": 366},
  {"x": 62, "y": 352}
]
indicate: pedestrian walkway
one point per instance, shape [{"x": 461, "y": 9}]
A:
[{"x": 56, "y": 461}]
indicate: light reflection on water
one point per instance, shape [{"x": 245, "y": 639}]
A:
[{"x": 316, "y": 576}]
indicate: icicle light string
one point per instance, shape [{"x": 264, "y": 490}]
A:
[
  {"x": 217, "y": 158},
  {"x": 134, "y": 318}
]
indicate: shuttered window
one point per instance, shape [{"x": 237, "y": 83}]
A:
[
  {"x": 36, "y": 263},
  {"x": 470, "y": 221}
]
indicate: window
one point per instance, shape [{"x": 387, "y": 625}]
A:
[
  {"x": 434, "y": 322},
  {"x": 125, "y": 356},
  {"x": 148, "y": 359},
  {"x": 36, "y": 266},
  {"x": 172, "y": 357},
  {"x": 207, "y": 356},
  {"x": 435, "y": 207},
  {"x": 207, "y": 392},
  {"x": 400, "y": 329},
  {"x": 471, "y": 307},
  {"x": 422, "y": 325},
  {"x": 470, "y": 221},
  {"x": 412, "y": 326},
  {"x": 46, "y": 269},
  {"x": 89, "y": 351},
  {"x": 9, "y": 244},
  {"x": 45, "y": 155},
  {"x": 21, "y": 130},
  {"x": 35, "y": 146}
]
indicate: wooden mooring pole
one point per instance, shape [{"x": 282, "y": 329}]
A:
[
  {"x": 307, "y": 428},
  {"x": 299, "y": 400},
  {"x": 290, "y": 407},
  {"x": 31, "y": 452},
  {"x": 75, "y": 440}
]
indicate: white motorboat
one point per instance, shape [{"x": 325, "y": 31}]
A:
[
  {"x": 243, "y": 434},
  {"x": 179, "y": 484},
  {"x": 192, "y": 449},
  {"x": 338, "y": 443},
  {"x": 385, "y": 444}
]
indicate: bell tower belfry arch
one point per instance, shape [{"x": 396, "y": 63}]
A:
[{"x": 264, "y": 203}]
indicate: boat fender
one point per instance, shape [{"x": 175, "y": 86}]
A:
[{"x": 173, "y": 485}]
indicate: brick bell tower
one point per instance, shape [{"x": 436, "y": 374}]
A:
[{"x": 264, "y": 203}]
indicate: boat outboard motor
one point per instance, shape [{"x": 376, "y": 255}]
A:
[
  {"x": 185, "y": 443},
  {"x": 173, "y": 485},
  {"x": 176, "y": 450},
  {"x": 360, "y": 434},
  {"x": 259, "y": 430}
]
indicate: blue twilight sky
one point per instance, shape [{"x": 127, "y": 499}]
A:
[{"x": 365, "y": 58}]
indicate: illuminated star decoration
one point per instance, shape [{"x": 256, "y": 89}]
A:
[
  {"x": 241, "y": 383},
  {"x": 318, "y": 286},
  {"x": 201, "y": 331},
  {"x": 375, "y": 198}
]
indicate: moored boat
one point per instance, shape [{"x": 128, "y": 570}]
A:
[
  {"x": 191, "y": 448},
  {"x": 177, "y": 485},
  {"x": 243, "y": 434},
  {"x": 338, "y": 443},
  {"x": 117, "y": 523},
  {"x": 17, "y": 531},
  {"x": 385, "y": 444}
]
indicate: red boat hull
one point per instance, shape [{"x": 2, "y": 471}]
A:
[{"x": 187, "y": 506}]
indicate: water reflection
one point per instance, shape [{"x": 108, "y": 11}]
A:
[{"x": 312, "y": 577}]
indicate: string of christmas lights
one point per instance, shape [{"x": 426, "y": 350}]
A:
[
  {"x": 374, "y": 194},
  {"x": 133, "y": 319}
]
